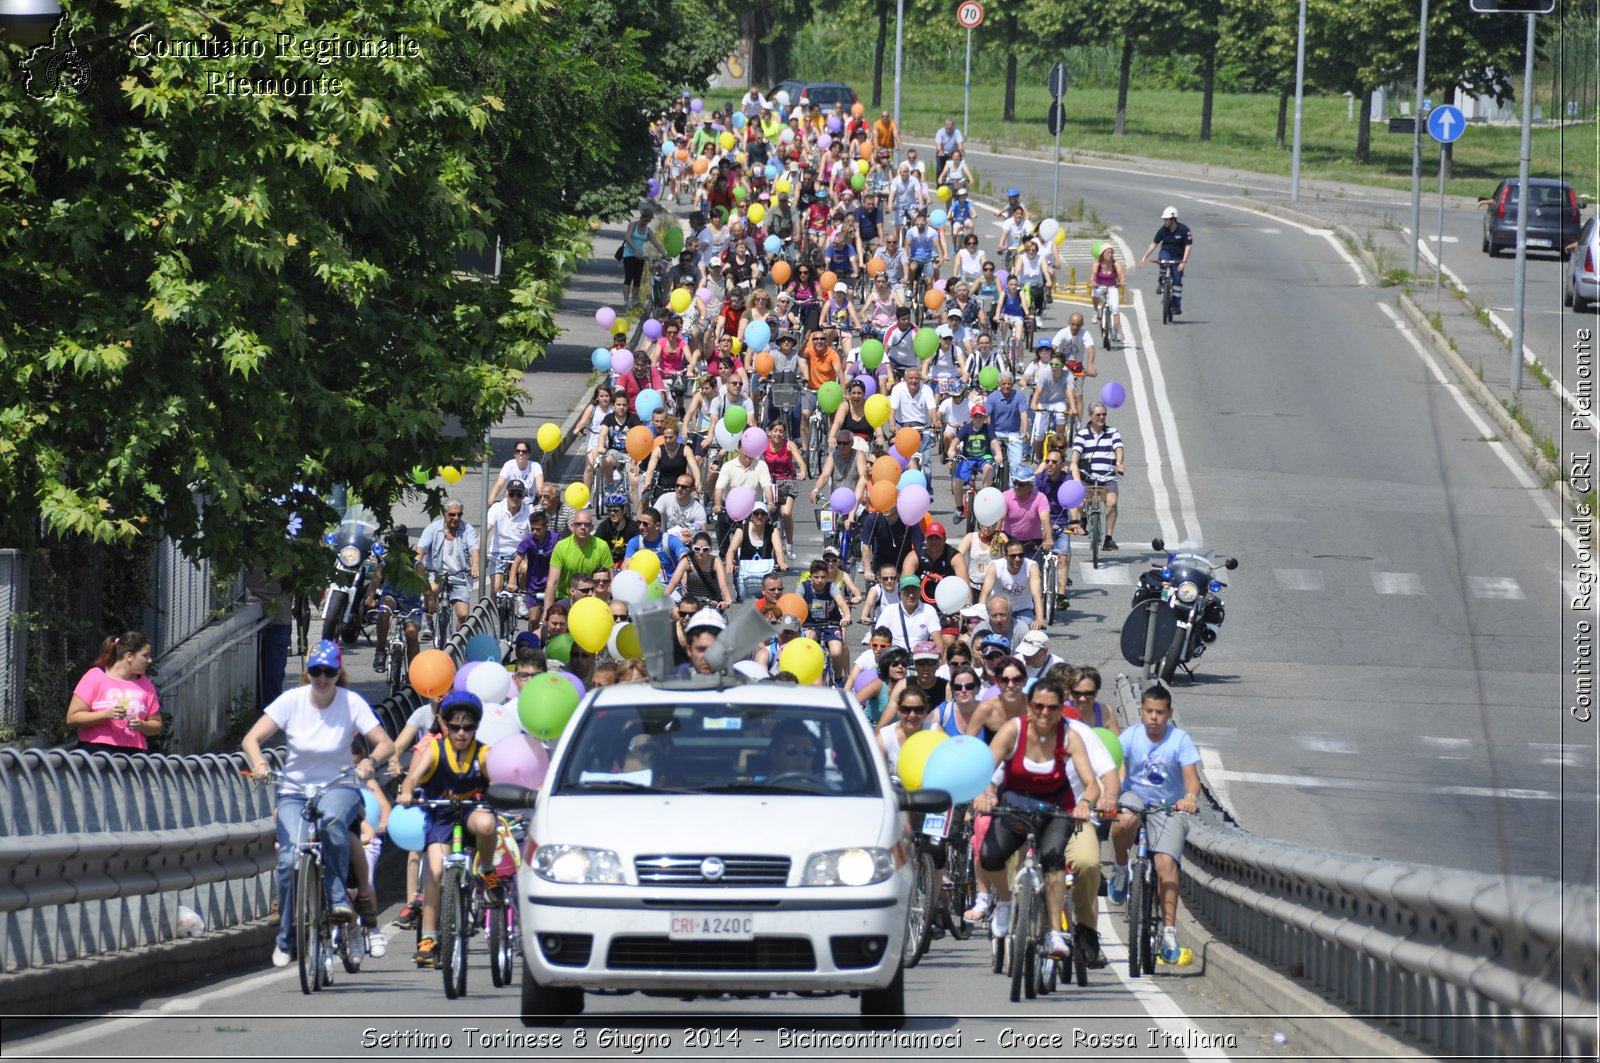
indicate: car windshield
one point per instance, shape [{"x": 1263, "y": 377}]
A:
[{"x": 718, "y": 748}]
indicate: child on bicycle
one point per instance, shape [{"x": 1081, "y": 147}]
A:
[{"x": 830, "y": 612}]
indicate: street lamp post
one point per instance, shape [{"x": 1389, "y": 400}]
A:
[
  {"x": 1299, "y": 98},
  {"x": 1416, "y": 140},
  {"x": 899, "y": 55},
  {"x": 1520, "y": 275}
]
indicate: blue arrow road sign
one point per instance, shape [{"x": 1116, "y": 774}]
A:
[{"x": 1446, "y": 123}]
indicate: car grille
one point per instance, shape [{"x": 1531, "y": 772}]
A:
[
  {"x": 676, "y": 870},
  {"x": 655, "y": 953}
]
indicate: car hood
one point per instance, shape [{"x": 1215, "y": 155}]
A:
[{"x": 715, "y": 823}]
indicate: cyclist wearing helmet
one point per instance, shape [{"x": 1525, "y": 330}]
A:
[
  {"x": 1012, "y": 204},
  {"x": 617, "y": 527},
  {"x": 457, "y": 766},
  {"x": 925, "y": 247},
  {"x": 1172, "y": 243}
]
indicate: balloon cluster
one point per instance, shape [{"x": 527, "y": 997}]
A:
[{"x": 932, "y": 760}]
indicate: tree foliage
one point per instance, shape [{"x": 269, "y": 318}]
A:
[{"x": 221, "y": 304}]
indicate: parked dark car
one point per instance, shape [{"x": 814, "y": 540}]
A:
[
  {"x": 822, "y": 93},
  {"x": 1553, "y": 225}
]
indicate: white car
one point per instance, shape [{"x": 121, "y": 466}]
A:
[
  {"x": 714, "y": 836},
  {"x": 1583, "y": 281}
]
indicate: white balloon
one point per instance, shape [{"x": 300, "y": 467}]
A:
[
  {"x": 989, "y": 506},
  {"x": 628, "y": 586},
  {"x": 782, "y": 96},
  {"x": 489, "y": 681},
  {"x": 499, "y": 721},
  {"x": 950, "y": 595},
  {"x": 726, "y": 439},
  {"x": 1048, "y": 229}
]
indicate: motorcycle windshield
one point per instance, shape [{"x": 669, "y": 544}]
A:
[
  {"x": 358, "y": 527},
  {"x": 1192, "y": 563}
]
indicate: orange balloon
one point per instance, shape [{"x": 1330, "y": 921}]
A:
[
  {"x": 701, "y": 165},
  {"x": 866, "y": 149},
  {"x": 883, "y": 495},
  {"x": 640, "y": 442},
  {"x": 906, "y": 441},
  {"x": 857, "y": 109},
  {"x": 780, "y": 272},
  {"x": 933, "y": 300},
  {"x": 764, "y": 363},
  {"x": 683, "y": 155},
  {"x": 887, "y": 470},
  {"x": 876, "y": 265},
  {"x": 431, "y": 673},
  {"x": 829, "y": 279},
  {"x": 793, "y": 605}
]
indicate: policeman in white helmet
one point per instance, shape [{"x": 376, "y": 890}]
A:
[{"x": 1172, "y": 243}]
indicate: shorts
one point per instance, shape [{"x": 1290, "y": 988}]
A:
[
  {"x": 832, "y": 633},
  {"x": 632, "y": 270},
  {"x": 500, "y": 564},
  {"x": 439, "y": 831},
  {"x": 1110, "y": 486},
  {"x": 1165, "y": 830},
  {"x": 457, "y": 586},
  {"x": 786, "y": 489},
  {"x": 967, "y": 468},
  {"x": 406, "y": 606},
  {"x": 1061, "y": 542}
]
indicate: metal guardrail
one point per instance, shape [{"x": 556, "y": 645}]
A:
[
  {"x": 182, "y": 597},
  {"x": 484, "y": 618},
  {"x": 97, "y": 851},
  {"x": 13, "y": 633},
  {"x": 1480, "y": 965}
]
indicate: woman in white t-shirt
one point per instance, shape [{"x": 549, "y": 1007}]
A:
[
  {"x": 114, "y": 707},
  {"x": 520, "y": 467},
  {"x": 318, "y": 719}
]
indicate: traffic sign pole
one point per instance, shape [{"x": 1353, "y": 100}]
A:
[
  {"x": 1058, "y": 116},
  {"x": 1438, "y": 253},
  {"x": 966, "y": 103},
  {"x": 1446, "y": 123},
  {"x": 1416, "y": 140},
  {"x": 1520, "y": 276}
]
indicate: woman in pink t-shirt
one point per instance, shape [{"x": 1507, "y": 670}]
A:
[{"x": 114, "y": 707}]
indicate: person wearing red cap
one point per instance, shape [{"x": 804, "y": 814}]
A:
[
  {"x": 932, "y": 561},
  {"x": 972, "y": 452}
]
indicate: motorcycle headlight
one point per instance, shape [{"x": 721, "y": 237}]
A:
[
  {"x": 847, "y": 867},
  {"x": 1188, "y": 591},
  {"x": 578, "y": 865},
  {"x": 349, "y": 556}
]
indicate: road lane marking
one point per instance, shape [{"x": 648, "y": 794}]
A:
[
  {"x": 1299, "y": 579},
  {"x": 1138, "y": 325},
  {"x": 1325, "y": 234},
  {"x": 1312, "y": 782},
  {"x": 1554, "y": 754},
  {"x": 1447, "y": 748},
  {"x": 1147, "y": 991},
  {"x": 1106, "y": 576},
  {"x": 1397, "y": 583},
  {"x": 1496, "y": 587},
  {"x": 1325, "y": 743}
]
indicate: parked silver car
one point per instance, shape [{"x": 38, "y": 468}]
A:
[{"x": 1583, "y": 283}]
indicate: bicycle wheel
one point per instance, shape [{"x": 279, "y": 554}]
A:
[
  {"x": 1166, "y": 302},
  {"x": 958, "y": 898},
  {"x": 453, "y": 933},
  {"x": 1080, "y": 966},
  {"x": 1019, "y": 946},
  {"x": 1047, "y": 577},
  {"x": 1136, "y": 929},
  {"x": 919, "y": 917},
  {"x": 997, "y": 955},
  {"x": 398, "y": 679},
  {"x": 499, "y": 947},
  {"x": 1095, "y": 528},
  {"x": 308, "y": 922},
  {"x": 1147, "y": 942}
]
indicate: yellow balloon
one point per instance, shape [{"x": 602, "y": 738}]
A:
[
  {"x": 577, "y": 495},
  {"x": 757, "y": 213},
  {"x": 944, "y": 193},
  {"x": 862, "y": 166},
  {"x": 781, "y": 185},
  {"x": 739, "y": 158},
  {"x": 727, "y": 141},
  {"x": 628, "y": 645},
  {"x": 647, "y": 563},
  {"x": 549, "y": 436},
  {"x": 619, "y": 327},
  {"x": 451, "y": 473},
  {"x": 802, "y": 659},
  {"x": 590, "y": 623},
  {"x": 877, "y": 410},
  {"x": 737, "y": 346},
  {"x": 681, "y": 300},
  {"x": 1061, "y": 237},
  {"x": 914, "y": 757}
]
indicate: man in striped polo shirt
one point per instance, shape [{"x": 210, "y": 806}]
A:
[{"x": 1097, "y": 462}]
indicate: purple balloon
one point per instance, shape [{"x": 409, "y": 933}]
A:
[
  {"x": 1000, "y": 277},
  {"x": 1113, "y": 395},
  {"x": 697, "y": 105},
  {"x": 912, "y": 503},
  {"x": 520, "y": 760},
  {"x": 622, "y": 362},
  {"x": 753, "y": 444},
  {"x": 653, "y": 188},
  {"x": 824, "y": 142},
  {"x": 842, "y": 501},
  {"x": 866, "y": 675},
  {"x": 702, "y": 294},
  {"x": 868, "y": 382},
  {"x": 605, "y": 317},
  {"x": 940, "y": 283},
  {"x": 835, "y": 125},
  {"x": 575, "y": 681},
  {"x": 460, "y": 682},
  {"x": 1071, "y": 493},
  {"x": 905, "y": 463},
  {"x": 740, "y": 502},
  {"x": 652, "y": 329}
]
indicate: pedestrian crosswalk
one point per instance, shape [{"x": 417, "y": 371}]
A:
[
  {"x": 1337, "y": 747},
  {"x": 1405, "y": 584}
]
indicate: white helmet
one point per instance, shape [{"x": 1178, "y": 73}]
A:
[
  {"x": 706, "y": 618},
  {"x": 1170, "y": 212}
]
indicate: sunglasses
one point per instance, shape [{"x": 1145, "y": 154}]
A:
[
  {"x": 919, "y": 710},
  {"x": 964, "y": 686},
  {"x": 603, "y": 582},
  {"x": 322, "y": 673},
  {"x": 521, "y": 450},
  {"x": 583, "y": 524},
  {"x": 701, "y": 549},
  {"x": 1084, "y": 693},
  {"x": 880, "y": 646},
  {"x": 1046, "y": 706},
  {"x": 1015, "y": 557},
  {"x": 461, "y": 728},
  {"x": 582, "y": 590},
  {"x": 1012, "y": 680},
  {"x": 684, "y": 487}
]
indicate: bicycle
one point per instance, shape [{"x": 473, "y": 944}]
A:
[
  {"x": 1032, "y": 971},
  {"x": 1049, "y": 574},
  {"x": 500, "y": 918},
  {"x": 1164, "y": 288},
  {"x": 920, "y": 912},
  {"x": 1094, "y": 520},
  {"x": 958, "y": 887},
  {"x": 317, "y": 938},
  {"x": 460, "y": 893},
  {"x": 1105, "y": 323},
  {"x": 1142, "y": 925},
  {"x": 396, "y": 650}
]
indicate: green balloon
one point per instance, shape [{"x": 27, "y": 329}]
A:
[
  {"x": 831, "y": 394},
  {"x": 654, "y": 591},
  {"x": 872, "y": 353},
  {"x": 1113, "y": 743},
  {"x": 735, "y": 419},
  {"x": 1099, "y": 248},
  {"x": 546, "y": 703},
  {"x": 560, "y": 649},
  {"x": 858, "y": 181},
  {"x": 739, "y": 193},
  {"x": 673, "y": 240},
  {"x": 925, "y": 343},
  {"x": 419, "y": 474},
  {"x": 989, "y": 378}
]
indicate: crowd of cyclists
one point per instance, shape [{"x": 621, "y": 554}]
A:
[{"x": 815, "y": 302}]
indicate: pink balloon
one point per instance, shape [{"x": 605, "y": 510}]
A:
[
  {"x": 824, "y": 142},
  {"x": 520, "y": 760},
  {"x": 940, "y": 283},
  {"x": 575, "y": 681},
  {"x": 740, "y": 502},
  {"x": 754, "y": 442},
  {"x": 605, "y": 317},
  {"x": 622, "y": 363},
  {"x": 1071, "y": 493},
  {"x": 912, "y": 503}
]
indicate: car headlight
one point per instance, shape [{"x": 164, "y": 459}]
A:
[
  {"x": 349, "y": 556},
  {"x": 578, "y": 865},
  {"x": 847, "y": 867},
  {"x": 1188, "y": 591}
]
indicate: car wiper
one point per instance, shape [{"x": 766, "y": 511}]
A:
[
  {"x": 626, "y": 785},
  {"x": 762, "y": 788}
]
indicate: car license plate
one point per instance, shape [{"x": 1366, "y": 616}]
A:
[
  {"x": 711, "y": 926},
  {"x": 1538, "y": 243},
  {"x": 936, "y": 824}
]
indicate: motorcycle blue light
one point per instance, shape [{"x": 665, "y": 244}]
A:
[
  {"x": 1166, "y": 572},
  {"x": 1215, "y": 587},
  {"x": 377, "y": 550},
  {"x": 329, "y": 539}
]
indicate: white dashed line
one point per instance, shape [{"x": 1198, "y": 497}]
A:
[
  {"x": 1447, "y": 748},
  {"x": 1496, "y": 587},
  {"x": 1397, "y": 583},
  {"x": 1299, "y": 579}
]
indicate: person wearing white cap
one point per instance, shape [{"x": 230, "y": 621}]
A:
[
  {"x": 1034, "y": 651},
  {"x": 700, "y": 633}
]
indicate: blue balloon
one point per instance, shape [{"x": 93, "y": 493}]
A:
[
  {"x": 961, "y": 765},
  {"x": 408, "y": 828},
  {"x": 738, "y": 119},
  {"x": 757, "y": 335},
  {"x": 483, "y": 648},
  {"x": 772, "y": 171},
  {"x": 667, "y": 148},
  {"x": 648, "y": 402},
  {"x": 937, "y": 219},
  {"x": 912, "y": 476},
  {"x": 601, "y": 359},
  {"x": 772, "y": 245},
  {"x": 369, "y": 801}
]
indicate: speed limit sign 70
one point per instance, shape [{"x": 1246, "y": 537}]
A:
[{"x": 970, "y": 14}]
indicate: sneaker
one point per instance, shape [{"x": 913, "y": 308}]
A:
[
  {"x": 280, "y": 958},
  {"x": 492, "y": 887},
  {"x": 1089, "y": 942},
  {"x": 1177, "y": 308},
  {"x": 427, "y": 949},
  {"x": 1000, "y": 920},
  {"x": 1117, "y": 892},
  {"x": 357, "y": 945},
  {"x": 1169, "y": 944},
  {"x": 342, "y": 913},
  {"x": 377, "y": 944},
  {"x": 407, "y": 919},
  {"x": 1109, "y": 544},
  {"x": 1061, "y": 603},
  {"x": 380, "y": 661},
  {"x": 979, "y": 910},
  {"x": 1057, "y": 945}
]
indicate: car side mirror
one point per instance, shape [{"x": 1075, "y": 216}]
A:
[
  {"x": 922, "y": 800},
  {"x": 1158, "y": 545},
  {"x": 509, "y": 797},
  {"x": 1233, "y": 563}
]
